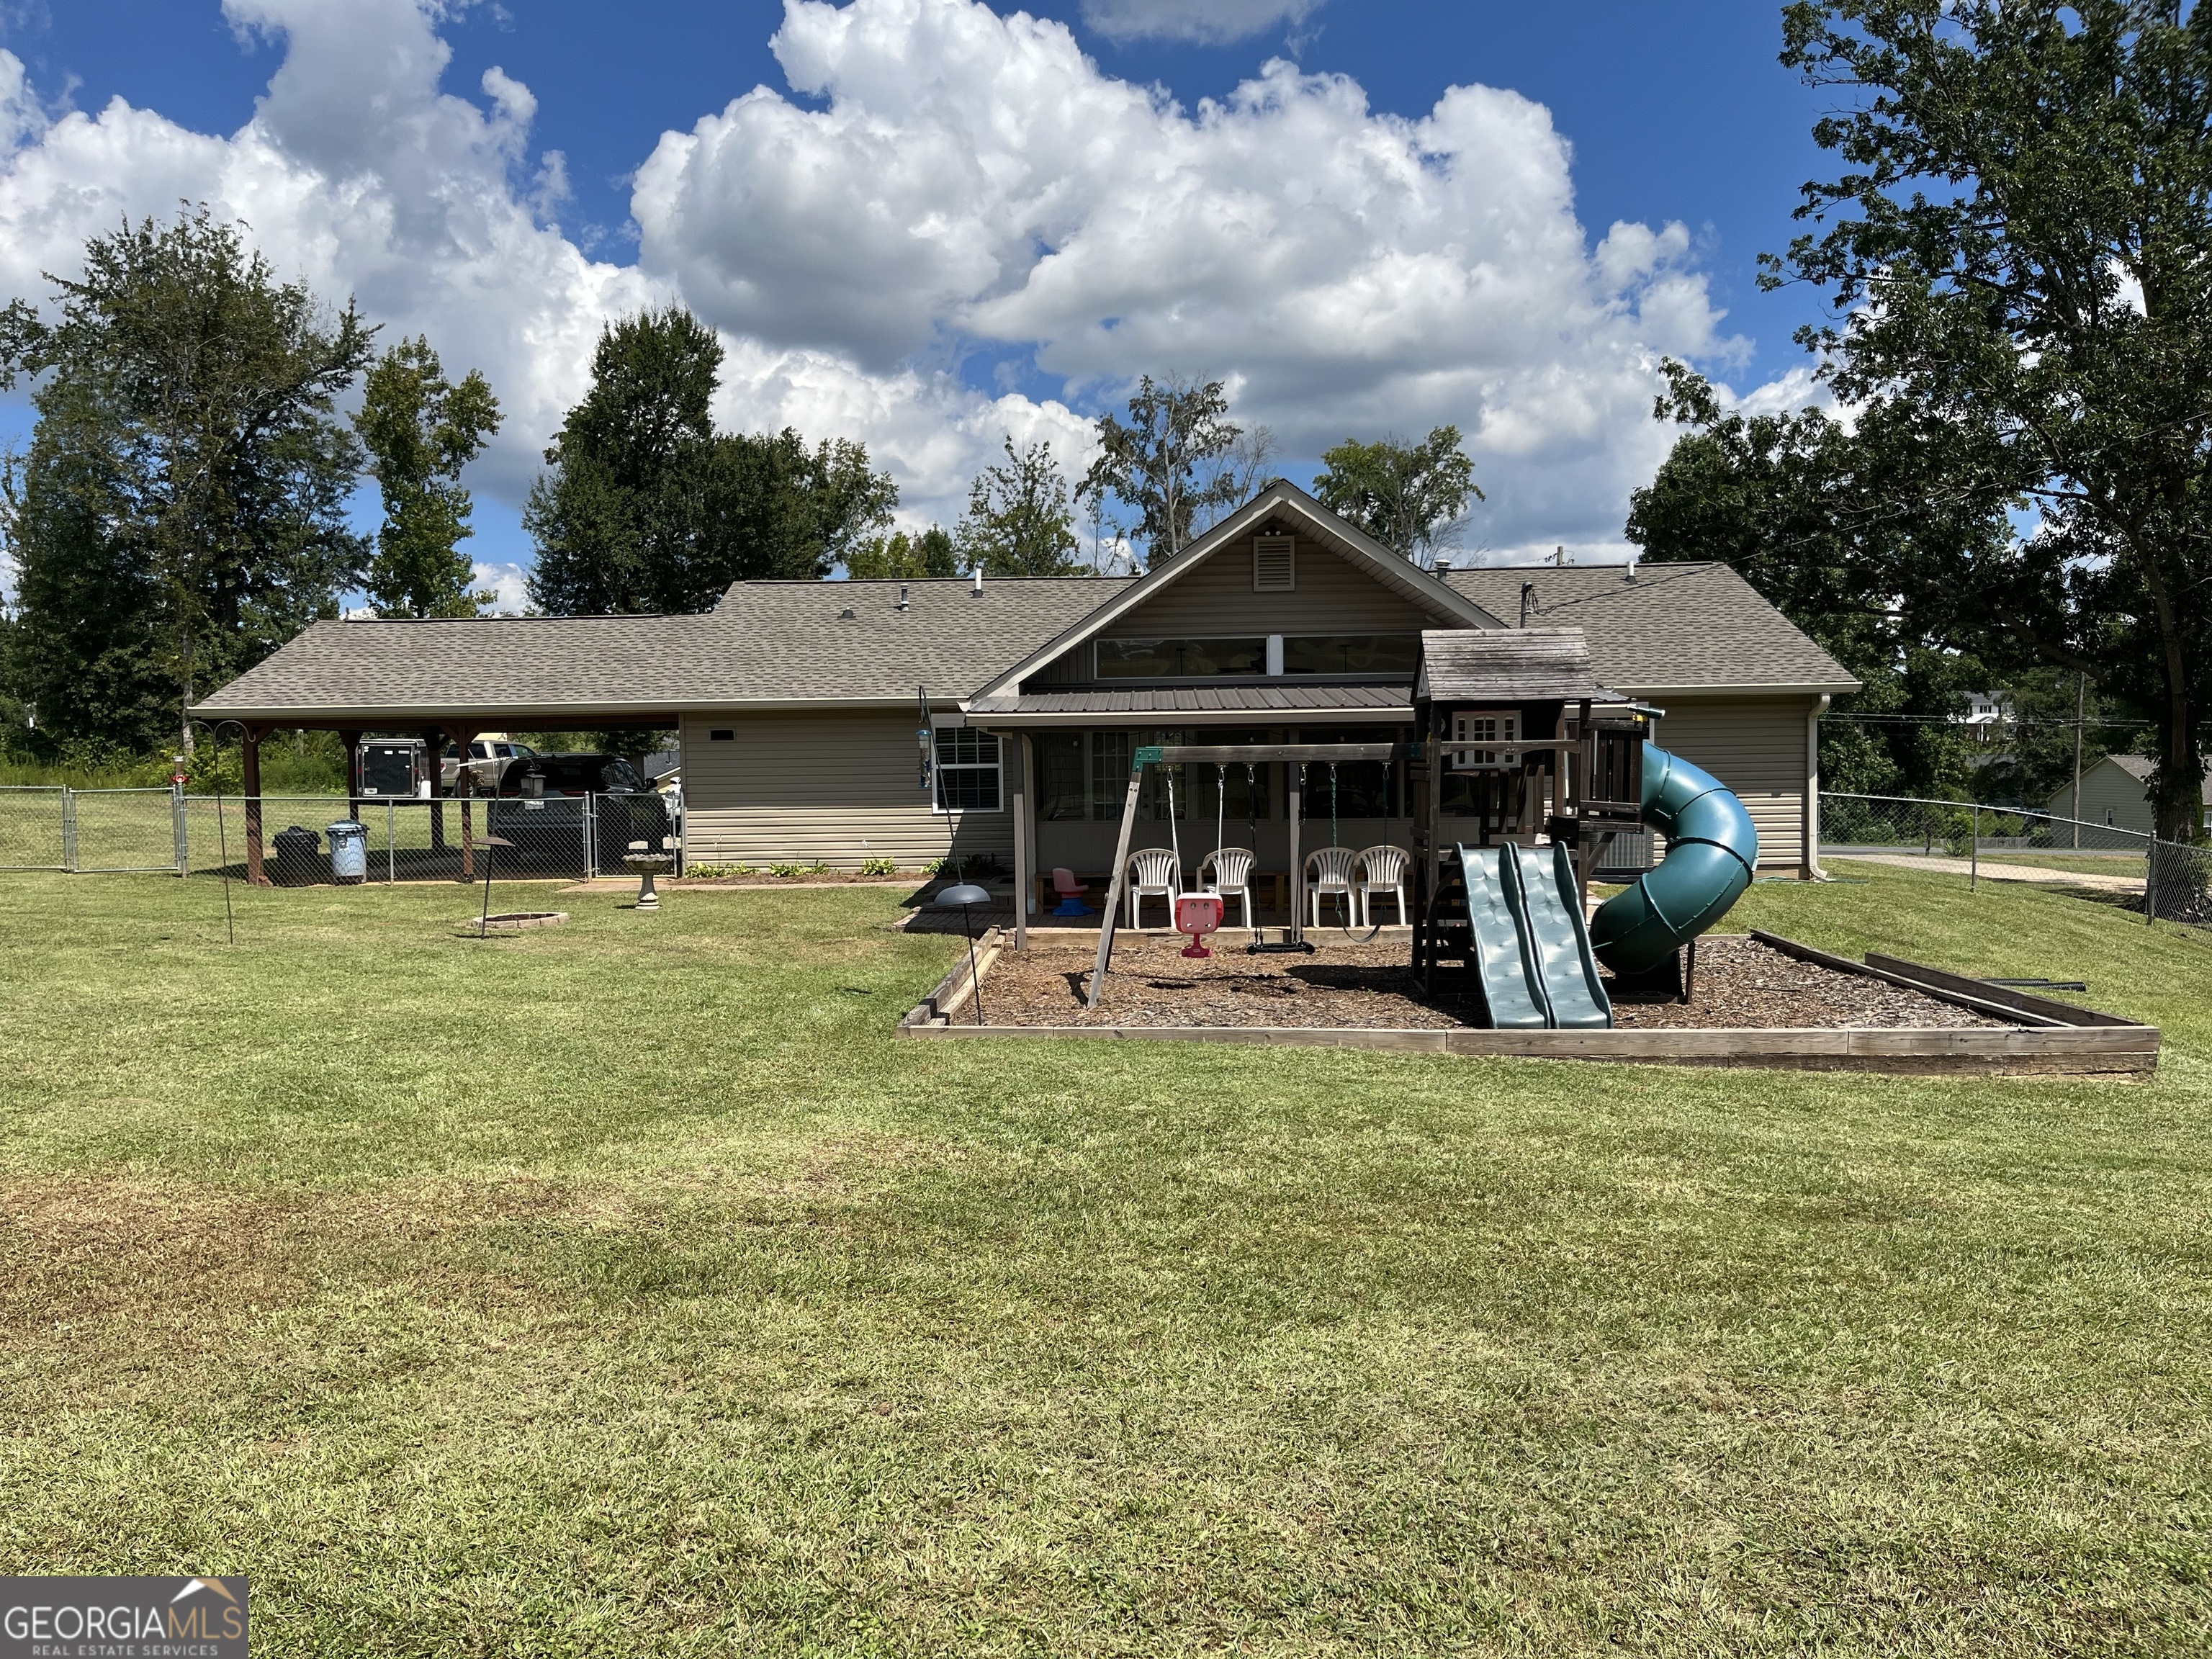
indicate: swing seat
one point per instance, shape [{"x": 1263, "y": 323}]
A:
[
  {"x": 1064, "y": 883},
  {"x": 1231, "y": 871},
  {"x": 1329, "y": 870}
]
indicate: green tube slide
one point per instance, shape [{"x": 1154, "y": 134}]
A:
[{"x": 1711, "y": 848}]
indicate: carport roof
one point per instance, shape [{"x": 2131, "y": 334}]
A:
[{"x": 765, "y": 644}]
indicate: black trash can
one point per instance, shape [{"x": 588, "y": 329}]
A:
[{"x": 297, "y": 859}]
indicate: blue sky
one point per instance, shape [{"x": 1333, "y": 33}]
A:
[{"x": 1671, "y": 117}]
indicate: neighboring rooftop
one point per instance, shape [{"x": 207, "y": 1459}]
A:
[{"x": 1656, "y": 627}]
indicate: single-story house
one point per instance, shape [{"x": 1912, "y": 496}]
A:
[
  {"x": 797, "y": 704},
  {"x": 2115, "y": 792}
]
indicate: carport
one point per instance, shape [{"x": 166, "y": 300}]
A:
[{"x": 448, "y": 680}]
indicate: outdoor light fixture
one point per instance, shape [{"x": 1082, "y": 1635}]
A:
[{"x": 967, "y": 895}]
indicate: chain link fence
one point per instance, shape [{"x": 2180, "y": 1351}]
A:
[
  {"x": 2163, "y": 880},
  {"x": 305, "y": 840}
]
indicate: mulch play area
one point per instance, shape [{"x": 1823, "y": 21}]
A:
[{"x": 1739, "y": 982}]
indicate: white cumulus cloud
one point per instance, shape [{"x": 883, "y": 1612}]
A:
[
  {"x": 955, "y": 177},
  {"x": 937, "y": 181}
]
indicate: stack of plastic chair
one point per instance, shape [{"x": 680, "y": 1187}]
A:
[
  {"x": 1071, "y": 893},
  {"x": 1233, "y": 876},
  {"x": 1329, "y": 870},
  {"x": 1382, "y": 869},
  {"x": 1153, "y": 874}
]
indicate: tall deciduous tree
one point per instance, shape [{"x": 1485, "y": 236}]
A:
[
  {"x": 617, "y": 516},
  {"x": 421, "y": 430},
  {"x": 1019, "y": 521},
  {"x": 2017, "y": 246},
  {"x": 899, "y": 555},
  {"x": 182, "y": 510},
  {"x": 1837, "y": 527},
  {"x": 1411, "y": 497},
  {"x": 644, "y": 507},
  {"x": 1159, "y": 461}
]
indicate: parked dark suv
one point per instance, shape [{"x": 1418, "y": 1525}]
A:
[{"x": 541, "y": 807}]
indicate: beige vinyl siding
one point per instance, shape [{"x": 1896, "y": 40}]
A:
[
  {"x": 836, "y": 787},
  {"x": 1216, "y": 599},
  {"x": 1756, "y": 746},
  {"x": 2109, "y": 795}
]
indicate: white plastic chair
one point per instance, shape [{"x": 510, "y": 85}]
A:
[
  {"x": 1329, "y": 870},
  {"x": 1233, "y": 876},
  {"x": 1153, "y": 874},
  {"x": 1382, "y": 869}
]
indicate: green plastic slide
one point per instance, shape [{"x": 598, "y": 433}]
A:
[
  {"x": 1712, "y": 847},
  {"x": 1530, "y": 947},
  {"x": 1512, "y": 981},
  {"x": 1551, "y": 923}
]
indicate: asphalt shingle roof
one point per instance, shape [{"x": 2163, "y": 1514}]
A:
[
  {"x": 1677, "y": 626},
  {"x": 764, "y": 642},
  {"x": 1674, "y": 627}
]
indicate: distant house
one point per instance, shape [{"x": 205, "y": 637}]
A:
[
  {"x": 799, "y": 705},
  {"x": 2115, "y": 792}
]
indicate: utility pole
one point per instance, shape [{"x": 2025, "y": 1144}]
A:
[{"x": 2080, "y": 703}]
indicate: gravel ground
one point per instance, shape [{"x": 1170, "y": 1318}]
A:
[{"x": 1739, "y": 983}]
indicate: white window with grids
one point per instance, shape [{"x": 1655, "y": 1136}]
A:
[
  {"x": 968, "y": 770},
  {"x": 1485, "y": 726}
]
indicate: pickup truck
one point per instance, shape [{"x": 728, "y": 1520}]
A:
[{"x": 488, "y": 759}]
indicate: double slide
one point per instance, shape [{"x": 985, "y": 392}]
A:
[{"x": 1539, "y": 963}]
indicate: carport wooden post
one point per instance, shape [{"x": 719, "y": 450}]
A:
[
  {"x": 433, "y": 741},
  {"x": 465, "y": 786},
  {"x": 351, "y": 740},
  {"x": 250, "y": 786}
]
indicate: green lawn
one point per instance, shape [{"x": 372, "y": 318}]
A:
[{"x": 623, "y": 1289}]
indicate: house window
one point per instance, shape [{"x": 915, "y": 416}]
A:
[
  {"x": 1350, "y": 654},
  {"x": 1485, "y": 726},
  {"x": 1085, "y": 776},
  {"x": 1187, "y": 658},
  {"x": 967, "y": 770}
]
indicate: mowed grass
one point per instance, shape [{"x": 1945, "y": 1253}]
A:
[{"x": 623, "y": 1288}]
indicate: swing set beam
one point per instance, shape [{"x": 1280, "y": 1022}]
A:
[{"x": 1231, "y": 754}]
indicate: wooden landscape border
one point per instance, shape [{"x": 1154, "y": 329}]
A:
[{"x": 2045, "y": 1038}]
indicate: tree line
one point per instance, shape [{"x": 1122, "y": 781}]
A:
[
  {"x": 2012, "y": 490},
  {"x": 184, "y": 506}
]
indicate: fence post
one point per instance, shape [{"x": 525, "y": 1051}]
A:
[
  {"x": 1974, "y": 853},
  {"x": 69, "y": 829},
  {"x": 2150, "y": 882},
  {"x": 177, "y": 819},
  {"x": 391, "y": 845},
  {"x": 590, "y": 840}
]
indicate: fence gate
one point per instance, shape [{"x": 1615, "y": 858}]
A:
[{"x": 33, "y": 827}]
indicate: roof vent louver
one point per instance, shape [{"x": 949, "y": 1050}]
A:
[
  {"x": 849, "y": 614},
  {"x": 1275, "y": 565}
]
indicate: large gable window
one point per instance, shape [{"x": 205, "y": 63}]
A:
[
  {"x": 1350, "y": 654},
  {"x": 967, "y": 770},
  {"x": 1181, "y": 659}
]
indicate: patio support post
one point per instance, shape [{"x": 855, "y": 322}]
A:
[
  {"x": 1022, "y": 845},
  {"x": 250, "y": 786}
]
